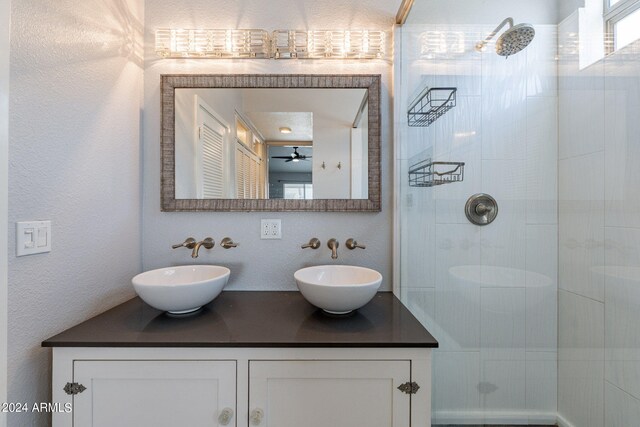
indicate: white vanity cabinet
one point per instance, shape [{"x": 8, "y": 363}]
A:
[
  {"x": 241, "y": 387},
  {"x": 248, "y": 359},
  {"x": 329, "y": 393},
  {"x": 161, "y": 393}
]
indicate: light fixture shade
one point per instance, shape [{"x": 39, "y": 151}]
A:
[
  {"x": 289, "y": 44},
  {"x": 192, "y": 43},
  {"x": 350, "y": 44},
  {"x": 281, "y": 44},
  {"x": 439, "y": 43}
]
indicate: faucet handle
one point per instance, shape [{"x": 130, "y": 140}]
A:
[
  {"x": 352, "y": 244},
  {"x": 189, "y": 243},
  {"x": 208, "y": 243},
  {"x": 228, "y": 242},
  {"x": 314, "y": 243}
]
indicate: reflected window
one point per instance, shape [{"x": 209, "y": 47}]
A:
[{"x": 298, "y": 191}]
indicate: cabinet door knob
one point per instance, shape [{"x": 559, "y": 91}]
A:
[
  {"x": 256, "y": 416},
  {"x": 225, "y": 416}
]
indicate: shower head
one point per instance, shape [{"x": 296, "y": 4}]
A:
[
  {"x": 512, "y": 41},
  {"x": 515, "y": 39}
]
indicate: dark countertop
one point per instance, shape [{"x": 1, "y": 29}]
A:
[{"x": 251, "y": 319}]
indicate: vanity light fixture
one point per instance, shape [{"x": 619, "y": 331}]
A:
[
  {"x": 196, "y": 43},
  {"x": 329, "y": 44},
  {"x": 281, "y": 44}
]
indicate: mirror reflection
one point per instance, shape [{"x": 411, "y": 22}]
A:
[{"x": 280, "y": 143}]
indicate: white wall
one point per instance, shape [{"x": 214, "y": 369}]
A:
[
  {"x": 5, "y": 21},
  {"x": 488, "y": 294},
  {"x": 599, "y": 236},
  {"x": 261, "y": 264},
  {"x": 490, "y": 12},
  {"x": 75, "y": 98}
]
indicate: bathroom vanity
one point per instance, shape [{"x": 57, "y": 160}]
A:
[{"x": 246, "y": 359}]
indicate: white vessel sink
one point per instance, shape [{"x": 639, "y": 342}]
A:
[
  {"x": 338, "y": 289},
  {"x": 181, "y": 290}
]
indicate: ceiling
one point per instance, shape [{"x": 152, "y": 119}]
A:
[
  {"x": 305, "y": 107},
  {"x": 269, "y": 124}
]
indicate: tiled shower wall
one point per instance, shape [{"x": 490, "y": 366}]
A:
[
  {"x": 488, "y": 294},
  {"x": 599, "y": 229}
]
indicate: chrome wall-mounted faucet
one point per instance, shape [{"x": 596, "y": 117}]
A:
[
  {"x": 333, "y": 245},
  {"x": 314, "y": 243},
  {"x": 190, "y": 243},
  {"x": 352, "y": 244},
  {"x": 207, "y": 243}
]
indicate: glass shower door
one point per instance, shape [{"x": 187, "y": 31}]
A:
[{"x": 487, "y": 293}]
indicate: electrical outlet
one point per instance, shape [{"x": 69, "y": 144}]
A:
[{"x": 271, "y": 229}]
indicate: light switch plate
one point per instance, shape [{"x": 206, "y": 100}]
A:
[
  {"x": 33, "y": 237},
  {"x": 271, "y": 229}
]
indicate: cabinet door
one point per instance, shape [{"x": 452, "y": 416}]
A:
[
  {"x": 154, "y": 393},
  {"x": 328, "y": 393}
]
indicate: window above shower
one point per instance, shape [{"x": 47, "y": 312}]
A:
[{"x": 622, "y": 23}]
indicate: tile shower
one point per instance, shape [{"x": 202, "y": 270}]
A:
[
  {"x": 536, "y": 313},
  {"x": 488, "y": 293}
]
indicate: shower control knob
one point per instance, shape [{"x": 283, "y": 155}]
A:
[{"x": 481, "y": 209}]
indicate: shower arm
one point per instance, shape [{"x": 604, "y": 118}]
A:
[{"x": 480, "y": 46}]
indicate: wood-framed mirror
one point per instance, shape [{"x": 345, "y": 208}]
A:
[{"x": 258, "y": 142}]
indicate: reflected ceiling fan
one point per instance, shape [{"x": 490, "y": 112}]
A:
[{"x": 293, "y": 157}]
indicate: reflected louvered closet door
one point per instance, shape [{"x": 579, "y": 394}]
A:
[
  {"x": 246, "y": 169},
  {"x": 240, "y": 194},
  {"x": 211, "y": 162},
  {"x": 254, "y": 179},
  {"x": 212, "y": 146}
]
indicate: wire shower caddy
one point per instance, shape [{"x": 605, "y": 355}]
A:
[
  {"x": 430, "y": 105},
  {"x": 430, "y": 174}
]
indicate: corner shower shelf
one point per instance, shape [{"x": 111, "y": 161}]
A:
[
  {"x": 430, "y": 105},
  {"x": 429, "y": 174}
]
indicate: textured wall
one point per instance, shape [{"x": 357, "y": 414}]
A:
[
  {"x": 262, "y": 264},
  {"x": 4, "y": 165},
  {"x": 76, "y": 85}
]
